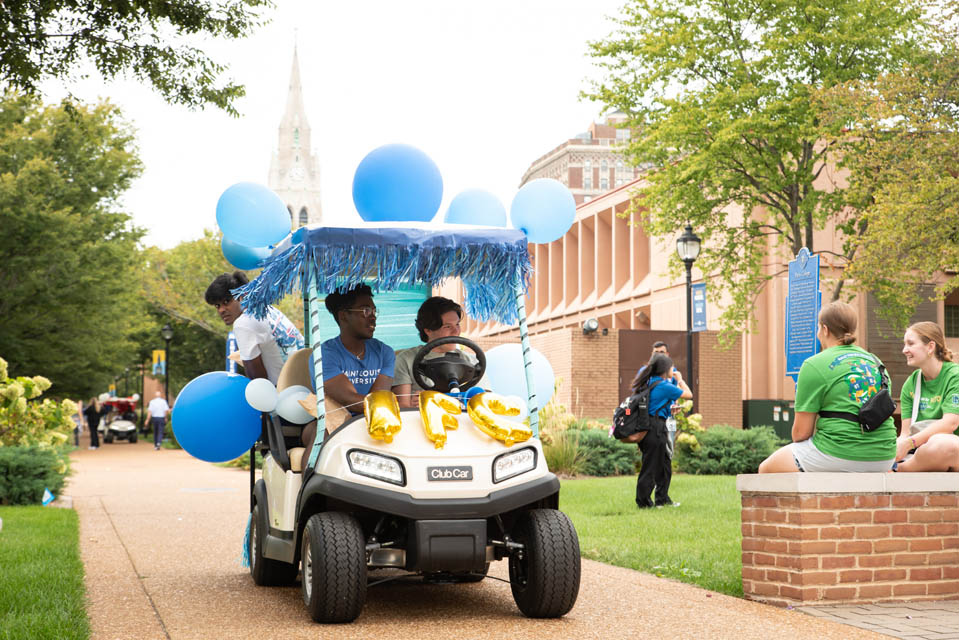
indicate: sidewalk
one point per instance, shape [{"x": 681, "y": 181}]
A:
[
  {"x": 161, "y": 535},
  {"x": 919, "y": 620}
]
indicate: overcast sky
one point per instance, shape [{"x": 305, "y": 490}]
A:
[{"x": 484, "y": 88}]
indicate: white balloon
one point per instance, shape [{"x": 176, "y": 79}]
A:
[
  {"x": 289, "y": 407},
  {"x": 103, "y": 397},
  {"x": 507, "y": 374},
  {"x": 135, "y": 396},
  {"x": 261, "y": 394}
]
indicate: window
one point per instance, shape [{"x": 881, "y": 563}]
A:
[
  {"x": 604, "y": 183},
  {"x": 303, "y": 216},
  {"x": 587, "y": 174},
  {"x": 622, "y": 135},
  {"x": 952, "y": 321},
  {"x": 296, "y": 137}
]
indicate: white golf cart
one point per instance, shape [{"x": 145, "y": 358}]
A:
[
  {"x": 354, "y": 502},
  {"x": 121, "y": 422}
]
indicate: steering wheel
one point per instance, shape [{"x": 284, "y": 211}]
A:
[{"x": 448, "y": 372}]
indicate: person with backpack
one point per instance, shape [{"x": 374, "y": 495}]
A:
[{"x": 665, "y": 386}]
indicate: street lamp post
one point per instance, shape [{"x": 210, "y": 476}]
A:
[
  {"x": 688, "y": 246},
  {"x": 126, "y": 382},
  {"x": 167, "y": 333}
]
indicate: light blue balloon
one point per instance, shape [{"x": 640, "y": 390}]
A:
[
  {"x": 506, "y": 374},
  {"x": 544, "y": 209},
  {"x": 476, "y": 206},
  {"x": 252, "y": 216},
  {"x": 241, "y": 257},
  {"x": 212, "y": 420},
  {"x": 397, "y": 182}
]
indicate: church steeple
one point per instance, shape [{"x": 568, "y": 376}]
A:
[{"x": 295, "y": 171}]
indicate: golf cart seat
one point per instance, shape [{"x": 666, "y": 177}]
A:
[{"x": 295, "y": 371}]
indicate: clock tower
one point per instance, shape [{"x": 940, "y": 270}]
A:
[{"x": 294, "y": 169}]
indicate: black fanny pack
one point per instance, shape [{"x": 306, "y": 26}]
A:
[{"x": 874, "y": 411}]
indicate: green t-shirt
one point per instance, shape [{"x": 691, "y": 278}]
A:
[
  {"x": 938, "y": 396},
  {"x": 842, "y": 378}
]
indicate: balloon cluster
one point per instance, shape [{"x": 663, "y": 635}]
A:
[
  {"x": 397, "y": 182},
  {"x": 252, "y": 218},
  {"x": 507, "y": 375}
]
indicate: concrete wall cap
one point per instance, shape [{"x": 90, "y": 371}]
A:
[{"x": 845, "y": 483}]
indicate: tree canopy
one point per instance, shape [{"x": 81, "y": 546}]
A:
[
  {"x": 68, "y": 255},
  {"x": 721, "y": 97},
  {"x": 147, "y": 39}
]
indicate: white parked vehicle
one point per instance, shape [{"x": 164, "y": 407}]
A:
[{"x": 356, "y": 503}]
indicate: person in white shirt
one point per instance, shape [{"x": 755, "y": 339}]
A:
[
  {"x": 157, "y": 411},
  {"x": 263, "y": 344}
]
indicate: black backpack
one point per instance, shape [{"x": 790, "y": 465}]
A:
[{"x": 632, "y": 415}]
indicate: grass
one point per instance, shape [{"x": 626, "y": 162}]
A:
[
  {"x": 41, "y": 576},
  {"x": 698, "y": 542}
]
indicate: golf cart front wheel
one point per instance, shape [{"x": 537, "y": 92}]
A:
[
  {"x": 266, "y": 572},
  {"x": 334, "y": 567},
  {"x": 544, "y": 575}
]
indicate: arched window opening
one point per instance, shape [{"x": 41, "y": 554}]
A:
[{"x": 303, "y": 217}]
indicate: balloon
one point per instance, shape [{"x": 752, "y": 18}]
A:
[
  {"x": 437, "y": 411},
  {"x": 252, "y": 216},
  {"x": 475, "y": 206},
  {"x": 211, "y": 418},
  {"x": 241, "y": 257},
  {"x": 488, "y": 412},
  {"x": 544, "y": 209},
  {"x": 135, "y": 396},
  {"x": 507, "y": 377},
  {"x": 397, "y": 182},
  {"x": 382, "y": 413},
  {"x": 261, "y": 394},
  {"x": 288, "y": 404}
]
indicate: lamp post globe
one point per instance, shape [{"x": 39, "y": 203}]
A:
[{"x": 688, "y": 246}]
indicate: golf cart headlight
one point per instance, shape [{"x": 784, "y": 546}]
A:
[
  {"x": 373, "y": 465},
  {"x": 513, "y": 463}
]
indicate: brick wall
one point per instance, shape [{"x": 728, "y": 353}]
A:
[
  {"x": 887, "y": 540},
  {"x": 720, "y": 377}
]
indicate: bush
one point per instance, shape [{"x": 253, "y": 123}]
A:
[
  {"x": 724, "y": 450},
  {"x": 26, "y": 471},
  {"x": 27, "y": 420},
  {"x": 563, "y": 453},
  {"x": 606, "y": 456}
]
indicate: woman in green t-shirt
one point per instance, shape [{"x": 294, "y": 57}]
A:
[
  {"x": 937, "y": 445},
  {"x": 840, "y": 378}
]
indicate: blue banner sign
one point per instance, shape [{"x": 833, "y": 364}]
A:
[
  {"x": 699, "y": 306},
  {"x": 802, "y": 311},
  {"x": 231, "y": 347}
]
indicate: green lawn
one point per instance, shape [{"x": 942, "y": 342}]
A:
[
  {"x": 698, "y": 542},
  {"x": 41, "y": 576}
]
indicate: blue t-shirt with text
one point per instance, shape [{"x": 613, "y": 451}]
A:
[
  {"x": 662, "y": 396},
  {"x": 378, "y": 359}
]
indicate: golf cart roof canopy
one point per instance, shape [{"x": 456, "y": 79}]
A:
[{"x": 491, "y": 261}]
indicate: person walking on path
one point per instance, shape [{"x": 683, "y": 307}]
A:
[
  {"x": 78, "y": 423},
  {"x": 657, "y": 469},
  {"x": 157, "y": 412},
  {"x": 934, "y": 410},
  {"x": 93, "y": 413}
]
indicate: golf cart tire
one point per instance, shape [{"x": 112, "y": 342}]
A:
[
  {"x": 133, "y": 439},
  {"x": 108, "y": 439},
  {"x": 266, "y": 572},
  {"x": 334, "y": 567},
  {"x": 545, "y": 577}
]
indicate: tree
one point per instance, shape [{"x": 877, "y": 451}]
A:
[
  {"x": 902, "y": 158},
  {"x": 42, "y": 39},
  {"x": 68, "y": 257},
  {"x": 720, "y": 95}
]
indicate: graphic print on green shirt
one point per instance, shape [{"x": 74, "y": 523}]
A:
[
  {"x": 938, "y": 396},
  {"x": 841, "y": 378}
]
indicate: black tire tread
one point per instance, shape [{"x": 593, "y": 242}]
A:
[
  {"x": 552, "y": 561},
  {"x": 339, "y": 567}
]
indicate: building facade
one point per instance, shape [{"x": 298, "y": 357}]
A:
[
  {"x": 294, "y": 169},
  {"x": 589, "y": 163}
]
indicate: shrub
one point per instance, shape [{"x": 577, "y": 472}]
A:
[
  {"x": 25, "y": 420},
  {"x": 563, "y": 453},
  {"x": 724, "y": 450},
  {"x": 26, "y": 471},
  {"x": 606, "y": 456}
]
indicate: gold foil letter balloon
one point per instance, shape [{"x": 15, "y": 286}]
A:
[
  {"x": 486, "y": 411},
  {"x": 382, "y": 413},
  {"x": 437, "y": 411}
]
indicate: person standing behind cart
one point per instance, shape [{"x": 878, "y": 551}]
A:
[
  {"x": 93, "y": 413},
  {"x": 157, "y": 412},
  {"x": 657, "y": 469}
]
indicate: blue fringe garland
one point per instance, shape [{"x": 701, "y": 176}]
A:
[
  {"x": 245, "y": 557},
  {"x": 488, "y": 270}
]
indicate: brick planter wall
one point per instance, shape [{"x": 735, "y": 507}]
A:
[{"x": 829, "y": 538}]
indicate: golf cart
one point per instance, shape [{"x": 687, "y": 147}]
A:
[
  {"x": 360, "y": 500},
  {"x": 121, "y": 422}
]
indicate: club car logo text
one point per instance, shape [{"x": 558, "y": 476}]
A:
[{"x": 439, "y": 474}]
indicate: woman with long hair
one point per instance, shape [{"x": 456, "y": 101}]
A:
[
  {"x": 937, "y": 444},
  {"x": 838, "y": 379},
  {"x": 93, "y": 412},
  {"x": 657, "y": 470}
]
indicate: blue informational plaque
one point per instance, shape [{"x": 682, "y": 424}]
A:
[
  {"x": 802, "y": 311},
  {"x": 231, "y": 347},
  {"x": 699, "y": 306}
]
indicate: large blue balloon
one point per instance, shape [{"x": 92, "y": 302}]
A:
[
  {"x": 251, "y": 215},
  {"x": 544, "y": 209},
  {"x": 507, "y": 376},
  {"x": 476, "y": 206},
  {"x": 397, "y": 182},
  {"x": 212, "y": 419},
  {"x": 241, "y": 257}
]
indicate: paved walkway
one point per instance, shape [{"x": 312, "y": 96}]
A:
[
  {"x": 161, "y": 535},
  {"x": 919, "y": 620}
]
